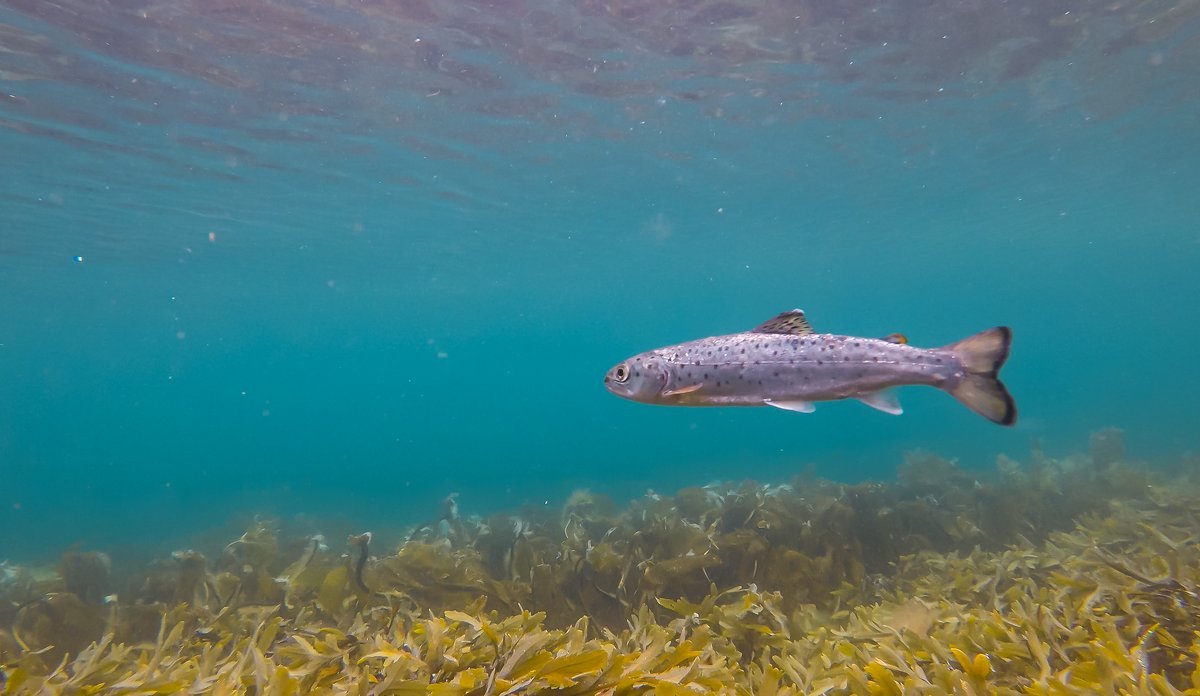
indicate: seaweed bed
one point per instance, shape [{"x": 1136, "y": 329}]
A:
[{"x": 1077, "y": 575}]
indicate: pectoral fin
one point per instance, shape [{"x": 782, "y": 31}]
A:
[
  {"x": 883, "y": 400},
  {"x": 800, "y": 406},
  {"x": 682, "y": 390}
]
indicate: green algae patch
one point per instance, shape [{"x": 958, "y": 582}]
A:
[{"x": 1079, "y": 575}]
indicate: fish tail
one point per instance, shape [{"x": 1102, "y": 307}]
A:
[{"x": 981, "y": 390}]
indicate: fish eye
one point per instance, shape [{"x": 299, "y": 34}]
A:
[{"x": 621, "y": 372}]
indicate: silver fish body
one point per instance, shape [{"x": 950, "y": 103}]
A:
[{"x": 783, "y": 363}]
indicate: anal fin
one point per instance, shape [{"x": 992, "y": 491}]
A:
[
  {"x": 798, "y": 406},
  {"x": 885, "y": 400}
]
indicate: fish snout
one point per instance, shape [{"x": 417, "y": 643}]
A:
[
  {"x": 637, "y": 379},
  {"x": 617, "y": 379}
]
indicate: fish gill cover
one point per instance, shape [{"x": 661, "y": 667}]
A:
[{"x": 273, "y": 274}]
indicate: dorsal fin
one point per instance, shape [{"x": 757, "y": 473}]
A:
[
  {"x": 896, "y": 338},
  {"x": 790, "y": 322}
]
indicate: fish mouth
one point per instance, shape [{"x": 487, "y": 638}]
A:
[{"x": 619, "y": 389}]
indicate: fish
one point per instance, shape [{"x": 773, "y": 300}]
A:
[{"x": 785, "y": 364}]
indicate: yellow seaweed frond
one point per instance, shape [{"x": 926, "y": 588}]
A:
[{"x": 1055, "y": 577}]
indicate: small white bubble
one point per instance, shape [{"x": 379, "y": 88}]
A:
[{"x": 77, "y": 259}]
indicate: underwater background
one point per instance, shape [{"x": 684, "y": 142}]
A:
[
  {"x": 305, "y": 308},
  {"x": 342, "y": 259}
]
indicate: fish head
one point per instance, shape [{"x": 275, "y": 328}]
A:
[{"x": 640, "y": 378}]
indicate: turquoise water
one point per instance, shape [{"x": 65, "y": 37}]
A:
[{"x": 342, "y": 260}]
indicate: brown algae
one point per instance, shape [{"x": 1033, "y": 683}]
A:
[{"x": 1079, "y": 575}]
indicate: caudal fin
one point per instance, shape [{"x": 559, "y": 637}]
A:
[{"x": 981, "y": 389}]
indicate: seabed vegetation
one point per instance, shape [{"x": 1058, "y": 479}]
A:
[{"x": 1049, "y": 576}]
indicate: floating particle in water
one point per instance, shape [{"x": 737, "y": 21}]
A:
[
  {"x": 658, "y": 228},
  {"x": 438, "y": 351},
  {"x": 212, "y": 236},
  {"x": 77, "y": 258}
]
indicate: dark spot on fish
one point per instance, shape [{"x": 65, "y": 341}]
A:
[
  {"x": 820, "y": 362},
  {"x": 938, "y": 360},
  {"x": 874, "y": 359},
  {"x": 705, "y": 375},
  {"x": 858, "y": 344}
]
